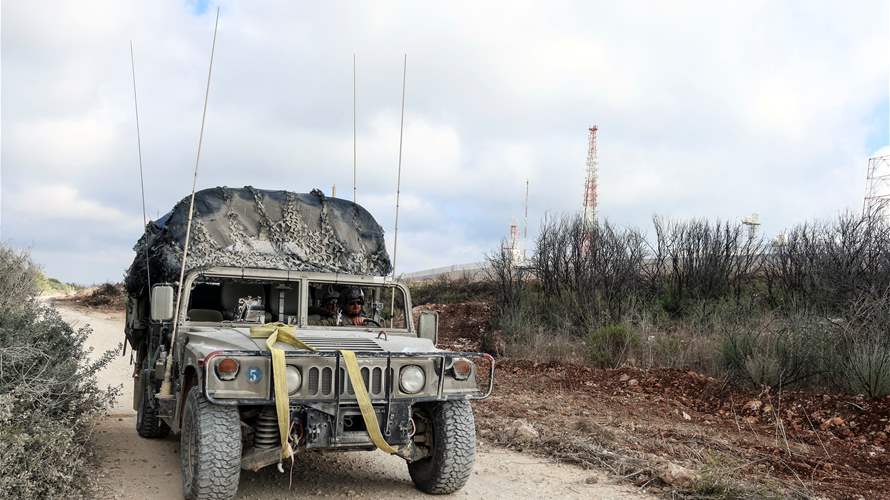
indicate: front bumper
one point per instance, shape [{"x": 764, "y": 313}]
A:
[
  {"x": 325, "y": 381},
  {"x": 329, "y": 418},
  {"x": 339, "y": 428}
]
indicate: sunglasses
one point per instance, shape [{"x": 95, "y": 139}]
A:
[{"x": 354, "y": 302}]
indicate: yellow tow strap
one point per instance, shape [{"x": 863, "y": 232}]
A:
[
  {"x": 364, "y": 402},
  {"x": 280, "y": 332}
]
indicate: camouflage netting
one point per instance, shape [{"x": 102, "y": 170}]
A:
[{"x": 264, "y": 229}]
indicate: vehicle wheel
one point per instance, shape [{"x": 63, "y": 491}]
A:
[
  {"x": 450, "y": 433},
  {"x": 148, "y": 424},
  {"x": 210, "y": 448}
]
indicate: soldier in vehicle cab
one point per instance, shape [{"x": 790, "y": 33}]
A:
[
  {"x": 330, "y": 313},
  {"x": 353, "y": 304}
]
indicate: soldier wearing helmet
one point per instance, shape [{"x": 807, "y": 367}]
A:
[
  {"x": 329, "y": 314},
  {"x": 353, "y": 302}
]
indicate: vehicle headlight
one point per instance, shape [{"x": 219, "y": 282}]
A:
[
  {"x": 294, "y": 379},
  {"x": 227, "y": 368},
  {"x": 411, "y": 379}
]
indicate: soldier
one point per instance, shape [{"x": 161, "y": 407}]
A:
[
  {"x": 353, "y": 303},
  {"x": 329, "y": 314}
]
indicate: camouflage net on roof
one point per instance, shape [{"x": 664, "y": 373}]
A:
[{"x": 248, "y": 227}]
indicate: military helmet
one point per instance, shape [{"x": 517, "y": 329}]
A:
[
  {"x": 331, "y": 296},
  {"x": 352, "y": 294}
]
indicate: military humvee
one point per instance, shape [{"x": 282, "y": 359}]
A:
[{"x": 353, "y": 371}]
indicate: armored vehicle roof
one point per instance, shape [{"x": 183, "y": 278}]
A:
[{"x": 249, "y": 227}]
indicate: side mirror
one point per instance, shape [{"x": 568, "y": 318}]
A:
[
  {"x": 162, "y": 303},
  {"x": 428, "y": 326}
]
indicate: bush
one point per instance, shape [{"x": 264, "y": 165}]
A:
[
  {"x": 859, "y": 360},
  {"x": 588, "y": 273},
  {"x": 830, "y": 264},
  {"x": 612, "y": 345},
  {"x": 697, "y": 260},
  {"x": 48, "y": 394},
  {"x": 106, "y": 294},
  {"x": 768, "y": 351},
  {"x": 866, "y": 368},
  {"x": 18, "y": 279}
]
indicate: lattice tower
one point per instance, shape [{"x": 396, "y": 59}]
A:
[
  {"x": 590, "y": 183},
  {"x": 877, "y": 186}
]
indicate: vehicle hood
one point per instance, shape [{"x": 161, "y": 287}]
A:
[{"x": 203, "y": 340}]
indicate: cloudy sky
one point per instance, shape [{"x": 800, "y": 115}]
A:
[{"x": 705, "y": 109}]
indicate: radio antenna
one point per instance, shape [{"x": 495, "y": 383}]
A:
[
  {"x": 139, "y": 150},
  {"x": 354, "y": 140},
  {"x": 395, "y": 244},
  {"x": 166, "y": 389}
]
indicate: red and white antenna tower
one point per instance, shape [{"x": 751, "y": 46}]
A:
[{"x": 590, "y": 184}]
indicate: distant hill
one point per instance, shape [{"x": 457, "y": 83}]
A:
[{"x": 49, "y": 285}]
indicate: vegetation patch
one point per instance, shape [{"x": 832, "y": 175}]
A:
[
  {"x": 48, "y": 392},
  {"x": 811, "y": 310}
]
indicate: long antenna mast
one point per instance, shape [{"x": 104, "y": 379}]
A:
[
  {"x": 395, "y": 245},
  {"x": 166, "y": 386},
  {"x": 354, "y": 142},
  {"x": 139, "y": 149}
]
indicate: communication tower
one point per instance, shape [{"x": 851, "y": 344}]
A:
[
  {"x": 753, "y": 223},
  {"x": 877, "y": 184},
  {"x": 513, "y": 246},
  {"x": 590, "y": 183}
]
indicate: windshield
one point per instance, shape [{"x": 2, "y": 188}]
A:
[
  {"x": 352, "y": 305},
  {"x": 217, "y": 299},
  {"x": 244, "y": 300}
]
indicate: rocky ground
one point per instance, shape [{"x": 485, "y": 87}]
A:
[{"x": 680, "y": 432}]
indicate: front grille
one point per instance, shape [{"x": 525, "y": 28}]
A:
[
  {"x": 312, "y": 380},
  {"x": 327, "y": 382},
  {"x": 329, "y": 343},
  {"x": 319, "y": 382}
]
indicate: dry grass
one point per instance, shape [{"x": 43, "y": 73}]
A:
[{"x": 542, "y": 347}]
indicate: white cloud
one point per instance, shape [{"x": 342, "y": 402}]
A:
[{"x": 62, "y": 204}]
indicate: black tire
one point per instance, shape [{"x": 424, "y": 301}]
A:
[
  {"x": 210, "y": 448},
  {"x": 148, "y": 423},
  {"x": 453, "y": 452}
]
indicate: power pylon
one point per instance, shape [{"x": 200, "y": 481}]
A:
[{"x": 877, "y": 186}]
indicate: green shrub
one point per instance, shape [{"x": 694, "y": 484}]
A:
[
  {"x": 859, "y": 362},
  {"x": 18, "y": 279},
  {"x": 612, "y": 345},
  {"x": 48, "y": 394},
  {"x": 776, "y": 351},
  {"x": 866, "y": 368}
]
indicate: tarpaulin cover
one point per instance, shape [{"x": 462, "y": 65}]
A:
[{"x": 248, "y": 227}]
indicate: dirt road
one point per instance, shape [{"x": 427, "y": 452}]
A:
[{"x": 135, "y": 468}]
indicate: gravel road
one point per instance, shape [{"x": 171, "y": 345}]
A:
[{"x": 136, "y": 468}]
